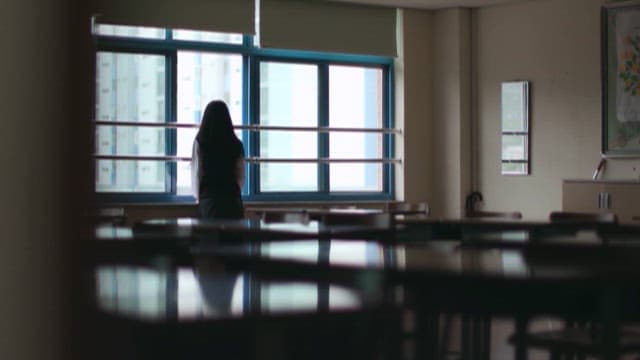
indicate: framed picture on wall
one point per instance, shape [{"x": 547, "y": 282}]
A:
[{"x": 621, "y": 79}]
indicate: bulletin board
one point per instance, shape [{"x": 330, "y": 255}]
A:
[{"x": 621, "y": 79}]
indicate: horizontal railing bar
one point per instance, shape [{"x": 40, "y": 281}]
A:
[
  {"x": 321, "y": 160},
  {"x": 142, "y": 158},
  {"x": 316, "y": 129},
  {"x": 253, "y": 160},
  {"x": 174, "y": 125},
  {"x": 169, "y": 125},
  {"x": 515, "y": 133}
]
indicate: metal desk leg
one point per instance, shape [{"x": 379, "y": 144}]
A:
[
  {"x": 522, "y": 325},
  {"x": 426, "y": 335}
]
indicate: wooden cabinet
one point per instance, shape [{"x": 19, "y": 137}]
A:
[{"x": 619, "y": 197}]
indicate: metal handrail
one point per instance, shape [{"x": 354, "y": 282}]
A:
[
  {"x": 252, "y": 160},
  {"x": 323, "y": 129}
]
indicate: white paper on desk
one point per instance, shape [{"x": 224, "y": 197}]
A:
[{"x": 627, "y": 103}]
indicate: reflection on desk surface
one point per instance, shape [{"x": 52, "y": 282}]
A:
[
  {"x": 222, "y": 224},
  {"x": 185, "y": 294},
  {"x": 561, "y": 261},
  {"x": 244, "y": 226},
  {"x": 111, "y": 232}
]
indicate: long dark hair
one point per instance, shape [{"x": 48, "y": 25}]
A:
[
  {"x": 216, "y": 128},
  {"x": 220, "y": 149}
]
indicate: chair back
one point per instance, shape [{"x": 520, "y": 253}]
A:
[
  {"x": 299, "y": 216},
  {"x": 278, "y": 215},
  {"x": 513, "y": 215},
  {"x": 583, "y": 217},
  {"x": 382, "y": 220},
  {"x": 408, "y": 208}
]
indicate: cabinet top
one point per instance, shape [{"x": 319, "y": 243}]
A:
[{"x": 601, "y": 181}]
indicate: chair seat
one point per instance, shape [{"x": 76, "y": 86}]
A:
[{"x": 578, "y": 340}]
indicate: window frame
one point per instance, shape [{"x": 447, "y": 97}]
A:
[
  {"x": 251, "y": 58},
  {"x": 524, "y": 133}
]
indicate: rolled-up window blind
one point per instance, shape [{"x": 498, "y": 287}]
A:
[
  {"x": 331, "y": 27},
  {"x": 233, "y": 16}
]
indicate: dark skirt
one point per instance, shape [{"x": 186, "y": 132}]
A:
[{"x": 221, "y": 208}]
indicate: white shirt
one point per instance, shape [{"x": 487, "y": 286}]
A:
[{"x": 196, "y": 170}]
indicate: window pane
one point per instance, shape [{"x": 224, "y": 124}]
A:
[
  {"x": 203, "y": 77},
  {"x": 288, "y": 177},
  {"x": 515, "y": 168},
  {"x": 355, "y": 97},
  {"x": 514, "y": 147},
  {"x": 130, "y": 141},
  {"x": 288, "y": 94},
  {"x": 130, "y": 87},
  {"x": 514, "y": 116},
  {"x": 185, "y": 147},
  {"x": 130, "y": 31},
  {"x": 207, "y": 36},
  {"x": 185, "y": 141},
  {"x": 183, "y": 181},
  {"x": 355, "y": 145},
  {"x": 356, "y": 177},
  {"x": 130, "y": 176},
  {"x": 288, "y": 145}
]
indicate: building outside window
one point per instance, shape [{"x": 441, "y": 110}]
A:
[{"x": 314, "y": 125}]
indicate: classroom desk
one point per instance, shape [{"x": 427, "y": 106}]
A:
[
  {"x": 123, "y": 244},
  {"x": 202, "y": 311},
  {"x": 580, "y": 280},
  {"x": 427, "y": 228},
  {"x": 443, "y": 277},
  {"x": 258, "y": 230},
  {"x": 316, "y": 213}
]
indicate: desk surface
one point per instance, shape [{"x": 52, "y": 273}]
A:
[
  {"x": 252, "y": 228},
  {"x": 201, "y": 312},
  {"x": 574, "y": 277},
  {"x": 500, "y": 280},
  {"x": 205, "y": 293}
]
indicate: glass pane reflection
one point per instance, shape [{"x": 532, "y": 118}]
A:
[
  {"x": 306, "y": 251},
  {"x": 204, "y": 293},
  {"x": 131, "y": 291}
]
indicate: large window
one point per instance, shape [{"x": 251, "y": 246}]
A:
[{"x": 313, "y": 125}]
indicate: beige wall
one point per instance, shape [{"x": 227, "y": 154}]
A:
[
  {"x": 41, "y": 200},
  {"x": 451, "y": 111},
  {"x": 433, "y": 97},
  {"x": 556, "y": 45},
  {"x": 413, "y": 77}
]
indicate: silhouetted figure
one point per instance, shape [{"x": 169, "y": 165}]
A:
[
  {"x": 218, "y": 165},
  {"x": 471, "y": 200}
]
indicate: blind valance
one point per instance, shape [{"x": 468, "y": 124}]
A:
[
  {"x": 328, "y": 26},
  {"x": 233, "y": 16}
]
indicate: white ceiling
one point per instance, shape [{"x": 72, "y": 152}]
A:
[{"x": 432, "y": 4}]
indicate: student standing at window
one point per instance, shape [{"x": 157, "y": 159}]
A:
[{"x": 218, "y": 165}]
